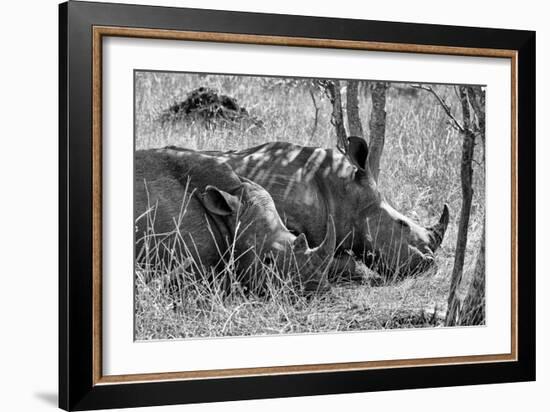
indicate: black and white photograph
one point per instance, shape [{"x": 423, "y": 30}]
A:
[{"x": 285, "y": 205}]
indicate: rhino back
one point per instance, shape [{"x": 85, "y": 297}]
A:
[
  {"x": 306, "y": 183},
  {"x": 187, "y": 167},
  {"x": 166, "y": 189}
]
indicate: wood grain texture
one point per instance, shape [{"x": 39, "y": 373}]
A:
[
  {"x": 298, "y": 42},
  {"x": 514, "y": 218},
  {"x": 297, "y": 369},
  {"x": 97, "y": 176}
]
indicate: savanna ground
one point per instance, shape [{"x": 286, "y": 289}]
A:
[{"x": 420, "y": 171}]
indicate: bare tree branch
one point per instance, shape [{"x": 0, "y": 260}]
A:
[
  {"x": 444, "y": 105},
  {"x": 316, "y": 120}
]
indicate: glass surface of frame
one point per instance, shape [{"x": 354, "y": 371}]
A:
[{"x": 307, "y": 303}]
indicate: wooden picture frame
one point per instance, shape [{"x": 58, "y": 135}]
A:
[{"x": 82, "y": 385}]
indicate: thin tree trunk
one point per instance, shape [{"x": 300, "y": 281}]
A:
[
  {"x": 477, "y": 100},
  {"x": 352, "y": 107},
  {"x": 466, "y": 174},
  {"x": 377, "y": 127},
  {"x": 472, "y": 311},
  {"x": 337, "y": 119}
]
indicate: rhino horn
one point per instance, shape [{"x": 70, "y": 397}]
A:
[
  {"x": 326, "y": 249},
  {"x": 438, "y": 230}
]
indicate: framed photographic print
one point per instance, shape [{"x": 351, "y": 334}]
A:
[{"x": 259, "y": 205}]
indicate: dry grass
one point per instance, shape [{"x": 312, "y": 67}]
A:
[{"x": 420, "y": 171}]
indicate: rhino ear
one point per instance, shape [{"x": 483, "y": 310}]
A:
[
  {"x": 219, "y": 202},
  {"x": 300, "y": 243},
  {"x": 358, "y": 151}
]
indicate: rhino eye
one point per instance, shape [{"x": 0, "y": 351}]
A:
[
  {"x": 294, "y": 232},
  {"x": 402, "y": 223}
]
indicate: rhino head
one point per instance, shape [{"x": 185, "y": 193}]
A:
[
  {"x": 388, "y": 242},
  {"x": 262, "y": 240}
]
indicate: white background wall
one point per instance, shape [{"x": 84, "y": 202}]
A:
[{"x": 28, "y": 204}]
